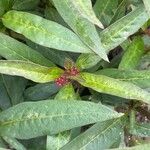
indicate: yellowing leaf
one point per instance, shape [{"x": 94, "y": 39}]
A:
[
  {"x": 112, "y": 86},
  {"x": 30, "y": 71}
]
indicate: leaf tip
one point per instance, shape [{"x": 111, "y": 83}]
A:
[
  {"x": 100, "y": 25},
  {"x": 105, "y": 57}
]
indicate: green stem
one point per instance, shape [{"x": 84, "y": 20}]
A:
[{"x": 132, "y": 120}]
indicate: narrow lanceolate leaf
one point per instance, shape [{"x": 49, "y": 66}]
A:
[
  {"x": 81, "y": 26},
  {"x": 32, "y": 119},
  {"x": 55, "y": 142},
  {"x": 112, "y": 86},
  {"x": 142, "y": 130},
  {"x": 14, "y": 143},
  {"x": 147, "y": 6},
  {"x": 138, "y": 77},
  {"x": 104, "y": 10},
  {"x": 44, "y": 32},
  {"x": 133, "y": 54},
  {"x": 100, "y": 136},
  {"x": 30, "y": 71},
  {"x": 119, "y": 31},
  {"x": 84, "y": 9},
  {"x": 139, "y": 147},
  {"x": 12, "y": 49}
]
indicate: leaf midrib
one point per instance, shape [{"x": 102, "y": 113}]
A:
[
  {"x": 45, "y": 32},
  {"x": 102, "y": 133},
  {"x": 130, "y": 79},
  {"x": 87, "y": 13},
  {"x": 105, "y": 32},
  {"x": 43, "y": 117}
]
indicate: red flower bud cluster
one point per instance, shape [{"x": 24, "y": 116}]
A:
[
  {"x": 63, "y": 79},
  {"x": 73, "y": 71}
]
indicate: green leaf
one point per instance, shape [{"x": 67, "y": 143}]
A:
[
  {"x": 133, "y": 54},
  {"x": 32, "y": 119},
  {"x": 108, "y": 99},
  {"x": 135, "y": 3},
  {"x": 2, "y": 143},
  {"x": 14, "y": 143},
  {"x": 38, "y": 143},
  {"x": 119, "y": 31},
  {"x": 104, "y": 10},
  {"x": 75, "y": 132},
  {"x": 25, "y": 4},
  {"x": 112, "y": 86},
  {"x": 15, "y": 87},
  {"x": 57, "y": 141},
  {"x": 30, "y": 71},
  {"x": 53, "y": 15},
  {"x": 116, "y": 143},
  {"x": 81, "y": 26},
  {"x": 66, "y": 93},
  {"x": 44, "y": 32},
  {"x": 82, "y": 8},
  {"x": 139, "y": 147},
  {"x": 142, "y": 130},
  {"x": 58, "y": 57},
  {"x": 1, "y": 26},
  {"x": 86, "y": 61},
  {"x": 5, "y": 101},
  {"x": 41, "y": 91},
  {"x": 120, "y": 11},
  {"x": 100, "y": 136},
  {"x": 12, "y": 89},
  {"x": 138, "y": 77},
  {"x": 147, "y": 6},
  {"x": 5, "y": 5},
  {"x": 14, "y": 50}
]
